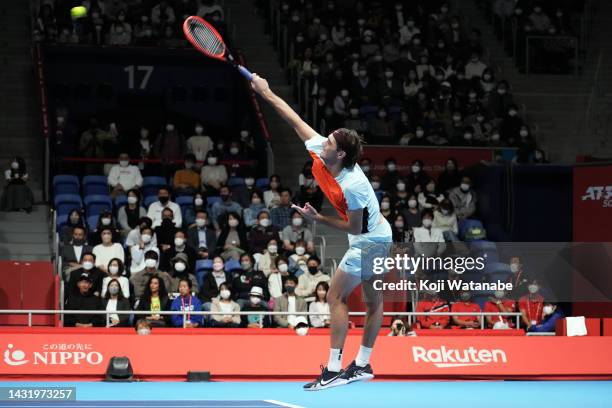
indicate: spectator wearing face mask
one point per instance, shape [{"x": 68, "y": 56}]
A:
[
  {"x": 256, "y": 303},
  {"x": 162, "y": 13},
  {"x": 187, "y": 180},
  {"x": 140, "y": 279},
  {"x": 281, "y": 215},
  {"x": 279, "y": 271},
  {"x": 225, "y": 206},
  {"x": 246, "y": 278},
  {"x": 417, "y": 178},
  {"x": 105, "y": 220},
  {"x": 255, "y": 206},
  {"x": 288, "y": 302},
  {"x": 464, "y": 199},
  {"x": 201, "y": 234},
  {"x": 199, "y": 144},
  {"x": 511, "y": 125},
  {"x": 307, "y": 282},
  {"x": 401, "y": 231},
  {"x": 213, "y": 281},
  {"x": 531, "y": 305},
  {"x": 222, "y": 306},
  {"x": 500, "y": 101},
  {"x": 310, "y": 192},
  {"x": 364, "y": 88},
  {"x": 428, "y": 240},
  {"x": 430, "y": 196},
  {"x": 107, "y": 250},
  {"x": 386, "y": 209},
  {"x": 539, "y": 157},
  {"x": 116, "y": 271},
  {"x": 243, "y": 194},
  {"x": 464, "y": 305},
  {"x": 75, "y": 219},
  {"x": 154, "y": 300},
  {"x": 82, "y": 298},
  {"x": 500, "y": 303},
  {"x": 87, "y": 267},
  {"x": 165, "y": 232},
  {"x": 73, "y": 250},
  {"x": 17, "y": 195},
  {"x": 178, "y": 246},
  {"x": 551, "y": 314},
  {"x": 519, "y": 278},
  {"x": 445, "y": 219},
  {"x": 382, "y": 129},
  {"x": 186, "y": 302},
  {"x": 135, "y": 235},
  {"x": 169, "y": 146},
  {"x": 262, "y": 232},
  {"x": 114, "y": 301},
  {"x": 213, "y": 174},
  {"x": 400, "y": 195},
  {"x": 412, "y": 215},
  {"x": 297, "y": 230},
  {"x": 156, "y": 208},
  {"x": 320, "y": 305},
  {"x": 298, "y": 262},
  {"x": 272, "y": 196},
  {"x": 390, "y": 176},
  {"x": 92, "y": 143},
  {"x": 129, "y": 215},
  {"x": 431, "y": 302},
  {"x": 189, "y": 212},
  {"x": 146, "y": 243},
  {"x": 232, "y": 239},
  {"x": 181, "y": 269},
  {"x": 450, "y": 176}
]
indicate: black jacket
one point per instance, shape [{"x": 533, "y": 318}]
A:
[
  {"x": 209, "y": 288},
  {"x": 78, "y": 301},
  {"x": 193, "y": 239},
  {"x": 122, "y": 305}
]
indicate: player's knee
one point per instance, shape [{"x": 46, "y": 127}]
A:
[{"x": 335, "y": 297}]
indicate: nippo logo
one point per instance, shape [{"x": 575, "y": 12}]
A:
[
  {"x": 16, "y": 357},
  {"x": 448, "y": 357},
  {"x": 599, "y": 193}
]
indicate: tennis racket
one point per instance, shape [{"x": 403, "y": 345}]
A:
[{"x": 208, "y": 41}]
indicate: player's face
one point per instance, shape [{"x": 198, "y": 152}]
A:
[{"x": 330, "y": 150}]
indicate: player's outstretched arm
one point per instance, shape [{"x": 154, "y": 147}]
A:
[
  {"x": 352, "y": 226},
  {"x": 302, "y": 128}
]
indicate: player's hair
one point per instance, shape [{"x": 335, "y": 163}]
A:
[{"x": 351, "y": 143}]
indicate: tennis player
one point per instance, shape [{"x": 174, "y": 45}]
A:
[{"x": 349, "y": 191}]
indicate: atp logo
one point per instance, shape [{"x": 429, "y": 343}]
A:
[
  {"x": 14, "y": 357},
  {"x": 599, "y": 193}
]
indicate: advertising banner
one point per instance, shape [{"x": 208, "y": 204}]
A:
[{"x": 593, "y": 203}]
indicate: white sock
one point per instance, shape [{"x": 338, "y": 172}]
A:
[
  {"x": 363, "y": 357},
  {"x": 335, "y": 360}
]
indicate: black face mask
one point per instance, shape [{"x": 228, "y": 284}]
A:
[
  {"x": 313, "y": 270},
  {"x": 290, "y": 289},
  {"x": 78, "y": 242},
  {"x": 164, "y": 199}
]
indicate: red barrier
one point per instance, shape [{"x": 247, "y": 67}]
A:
[
  {"x": 224, "y": 354},
  {"x": 593, "y": 203},
  {"x": 593, "y": 326},
  {"x": 434, "y": 158}
]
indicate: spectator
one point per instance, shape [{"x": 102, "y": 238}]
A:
[
  {"x": 272, "y": 196},
  {"x": 199, "y": 144},
  {"x": 499, "y": 102},
  {"x": 382, "y": 129},
  {"x": 17, "y": 195},
  {"x": 225, "y": 304},
  {"x": 466, "y": 305},
  {"x": 72, "y": 252},
  {"x": 390, "y": 177},
  {"x": 187, "y": 180},
  {"x": 142, "y": 148},
  {"x": 445, "y": 219},
  {"x": 450, "y": 176},
  {"x": 243, "y": 281},
  {"x": 140, "y": 279},
  {"x": 500, "y": 303},
  {"x": 114, "y": 301},
  {"x": 431, "y": 303},
  {"x": 169, "y": 146},
  {"x": 75, "y": 219},
  {"x": 288, "y": 302},
  {"x": 428, "y": 240},
  {"x": 143, "y": 327},
  {"x": 398, "y": 328},
  {"x": 120, "y": 32},
  {"x": 251, "y": 212},
  {"x": 267, "y": 260},
  {"x": 298, "y": 262},
  {"x": 463, "y": 199},
  {"x": 256, "y": 303},
  {"x": 209, "y": 7},
  {"x": 475, "y": 67},
  {"x": 278, "y": 272},
  {"x": 135, "y": 235},
  {"x": 116, "y": 272},
  {"x": 262, "y": 233},
  {"x": 88, "y": 268},
  {"x": 386, "y": 209},
  {"x": 213, "y": 174},
  {"x": 165, "y": 233},
  {"x": 539, "y": 20},
  {"x": 281, "y": 215},
  {"x": 226, "y": 205},
  {"x": 178, "y": 246},
  {"x": 189, "y": 212},
  {"x": 400, "y": 195},
  {"x": 400, "y": 230},
  {"x": 297, "y": 231},
  {"x": 243, "y": 194},
  {"x": 202, "y": 234},
  {"x": 310, "y": 192},
  {"x": 180, "y": 269},
  {"x": 232, "y": 239},
  {"x": 307, "y": 282},
  {"x": 83, "y": 299},
  {"x": 320, "y": 305},
  {"x": 520, "y": 279},
  {"x": 531, "y": 305},
  {"x": 189, "y": 303},
  {"x": 412, "y": 216},
  {"x": 146, "y": 243},
  {"x": 551, "y": 314},
  {"x": 417, "y": 178},
  {"x": 130, "y": 214},
  {"x": 539, "y": 157},
  {"x": 155, "y": 299},
  {"x": 94, "y": 141},
  {"x": 213, "y": 281},
  {"x": 162, "y": 13},
  {"x": 105, "y": 221},
  {"x": 510, "y": 126},
  {"x": 107, "y": 250},
  {"x": 156, "y": 208},
  {"x": 430, "y": 196}
]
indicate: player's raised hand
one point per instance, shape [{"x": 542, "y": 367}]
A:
[
  {"x": 259, "y": 84},
  {"x": 308, "y": 211}
]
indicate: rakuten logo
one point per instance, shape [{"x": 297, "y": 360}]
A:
[{"x": 447, "y": 357}]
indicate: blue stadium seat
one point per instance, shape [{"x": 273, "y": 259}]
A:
[
  {"x": 95, "y": 185},
  {"x": 211, "y": 200},
  {"x": 65, "y": 184},
  {"x": 262, "y": 183},
  {"x": 184, "y": 200},
  {"x": 151, "y": 184},
  {"x": 379, "y": 195},
  {"x": 232, "y": 265},
  {"x": 66, "y": 202},
  {"x": 466, "y": 224},
  {"x": 235, "y": 181},
  {"x": 149, "y": 200},
  {"x": 92, "y": 221},
  {"x": 95, "y": 204},
  {"x": 203, "y": 266},
  {"x": 60, "y": 221},
  {"x": 120, "y": 201}
]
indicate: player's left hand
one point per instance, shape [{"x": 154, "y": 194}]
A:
[{"x": 308, "y": 211}]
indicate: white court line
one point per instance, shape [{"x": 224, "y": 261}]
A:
[{"x": 283, "y": 404}]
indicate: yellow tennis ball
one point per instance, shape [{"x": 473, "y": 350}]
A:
[{"x": 78, "y": 12}]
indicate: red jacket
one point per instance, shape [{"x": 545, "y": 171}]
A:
[
  {"x": 532, "y": 307},
  {"x": 492, "y": 307},
  {"x": 462, "y": 307},
  {"x": 428, "y": 306}
]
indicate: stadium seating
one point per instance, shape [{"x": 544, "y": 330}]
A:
[
  {"x": 65, "y": 184},
  {"x": 96, "y": 203},
  {"x": 95, "y": 185},
  {"x": 120, "y": 201},
  {"x": 66, "y": 202},
  {"x": 235, "y": 181},
  {"x": 151, "y": 184}
]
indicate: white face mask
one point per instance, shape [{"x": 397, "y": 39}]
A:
[
  {"x": 169, "y": 127},
  {"x": 199, "y": 130},
  {"x": 124, "y": 163},
  {"x": 211, "y": 161},
  {"x": 375, "y": 185},
  {"x": 113, "y": 269},
  {"x": 233, "y": 223},
  {"x": 225, "y": 294},
  {"x": 87, "y": 265},
  {"x": 179, "y": 242},
  {"x": 297, "y": 222},
  {"x": 300, "y": 250},
  {"x": 385, "y": 205},
  {"x": 399, "y": 224},
  {"x": 249, "y": 181},
  {"x": 132, "y": 200},
  {"x": 180, "y": 267},
  {"x": 416, "y": 169},
  {"x": 412, "y": 203},
  {"x": 548, "y": 309},
  {"x": 146, "y": 238},
  {"x": 427, "y": 222},
  {"x": 514, "y": 267},
  {"x": 283, "y": 267},
  {"x": 391, "y": 166},
  {"x": 234, "y": 150},
  {"x": 255, "y": 300},
  {"x": 150, "y": 263},
  {"x": 301, "y": 331},
  {"x": 217, "y": 266},
  {"x": 533, "y": 289},
  {"x": 401, "y": 187},
  {"x": 264, "y": 222},
  {"x": 200, "y": 222},
  {"x": 272, "y": 249},
  {"x": 465, "y": 187},
  {"x": 198, "y": 201},
  {"x": 144, "y": 332},
  {"x": 14, "y": 165},
  {"x": 106, "y": 221}
]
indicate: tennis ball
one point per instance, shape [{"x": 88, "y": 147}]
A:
[{"x": 78, "y": 12}]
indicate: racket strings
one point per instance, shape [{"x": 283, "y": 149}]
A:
[{"x": 207, "y": 40}]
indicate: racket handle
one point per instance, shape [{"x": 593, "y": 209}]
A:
[{"x": 245, "y": 72}]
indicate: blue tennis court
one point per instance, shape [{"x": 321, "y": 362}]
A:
[{"x": 418, "y": 394}]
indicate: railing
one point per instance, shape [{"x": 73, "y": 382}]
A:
[{"x": 184, "y": 313}]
